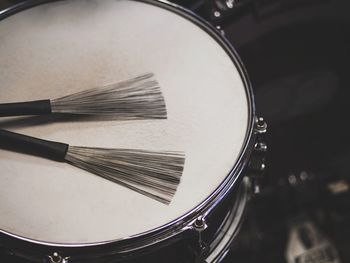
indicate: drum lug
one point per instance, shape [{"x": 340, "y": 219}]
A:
[
  {"x": 257, "y": 162},
  {"x": 199, "y": 225},
  {"x": 57, "y": 258}
]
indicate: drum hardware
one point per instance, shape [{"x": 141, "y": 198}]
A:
[
  {"x": 201, "y": 252},
  {"x": 257, "y": 177},
  {"x": 218, "y": 12},
  {"x": 205, "y": 251},
  {"x": 220, "y": 8},
  {"x": 261, "y": 125},
  {"x": 260, "y": 147},
  {"x": 221, "y": 31},
  {"x": 57, "y": 258},
  {"x": 230, "y": 3},
  {"x": 224, "y": 5},
  {"x": 223, "y": 12},
  {"x": 257, "y": 162},
  {"x": 199, "y": 226}
]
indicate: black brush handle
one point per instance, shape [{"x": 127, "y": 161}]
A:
[
  {"x": 38, "y": 107},
  {"x": 33, "y": 146}
]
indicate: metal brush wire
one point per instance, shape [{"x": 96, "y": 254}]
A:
[
  {"x": 137, "y": 98},
  {"x": 153, "y": 174},
  {"x": 133, "y": 99}
]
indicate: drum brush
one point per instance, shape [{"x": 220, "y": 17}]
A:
[
  {"x": 137, "y": 98},
  {"x": 153, "y": 174}
]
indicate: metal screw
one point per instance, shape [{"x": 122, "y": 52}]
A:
[
  {"x": 57, "y": 258},
  {"x": 261, "y": 122},
  {"x": 222, "y": 32},
  {"x": 230, "y": 3},
  {"x": 200, "y": 224},
  {"x": 261, "y": 125},
  {"x": 217, "y": 13},
  {"x": 261, "y": 146}
]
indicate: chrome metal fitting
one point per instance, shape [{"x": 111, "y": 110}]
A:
[
  {"x": 257, "y": 164},
  {"x": 217, "y": 14},
  {"x": 57, "y": 258},
  {"x": 199, "y": 224},
  {"x": 260, "y": 125},
  {"x": 230, "y": 3},
  {"x": 260, "y": 147},
  {"x": 221, "y": 31}
]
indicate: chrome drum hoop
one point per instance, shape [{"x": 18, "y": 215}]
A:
[
  {"x": 224, "y": 225},
  {"x": 182, "y": 224}
]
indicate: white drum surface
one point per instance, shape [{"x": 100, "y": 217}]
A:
[{"x": 63, "y": 47}]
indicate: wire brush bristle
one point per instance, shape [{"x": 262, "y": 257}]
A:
[
  {"x": 153, "y": 174},
  {"x": 137, "y": 98}
]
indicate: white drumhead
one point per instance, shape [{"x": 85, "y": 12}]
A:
[{"x": 58, "y": 48}]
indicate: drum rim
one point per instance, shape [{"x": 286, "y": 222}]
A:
[{"x": 183, "y": 222}]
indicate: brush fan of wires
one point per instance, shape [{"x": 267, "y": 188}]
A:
[
  {"x": 137, "y": 98},
  {"x": 153, "y": 174}
]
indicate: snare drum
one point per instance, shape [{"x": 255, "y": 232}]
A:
[{"x": 53, "y": 212}]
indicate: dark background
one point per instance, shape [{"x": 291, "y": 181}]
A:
[{"x": 297, "y": 56}]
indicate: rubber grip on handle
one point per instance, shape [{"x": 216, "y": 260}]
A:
[
  {"x": 33, "y": 146},
  {"x": 38, "y": 107}
]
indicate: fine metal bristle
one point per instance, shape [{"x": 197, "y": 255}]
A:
[
  {"x": 153, "y": 174},
  {"x": 137, "y": 98}
]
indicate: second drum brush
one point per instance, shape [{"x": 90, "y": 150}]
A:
[
  {"x": 137, "y": 98},
  {"x": 153, "y": 174}
]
